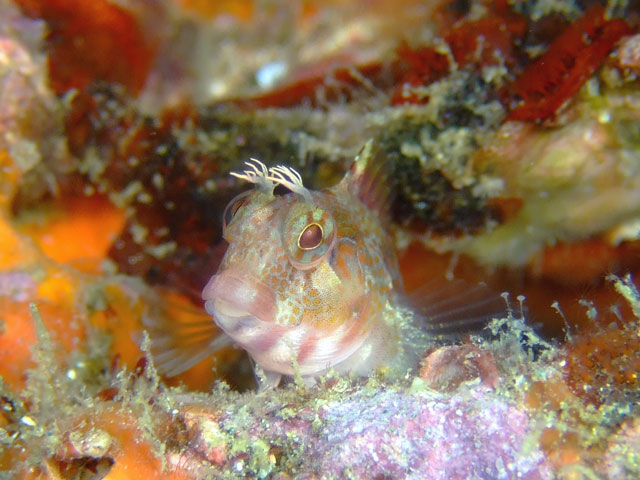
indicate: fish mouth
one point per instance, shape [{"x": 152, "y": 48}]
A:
[
  {"x": 228, "y": 317},
  {"x": 236, "y": 301}
]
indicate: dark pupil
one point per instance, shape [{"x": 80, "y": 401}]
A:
[{"x": 311, "y": 236}]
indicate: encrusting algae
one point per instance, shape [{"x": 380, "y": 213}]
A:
[
  {"x": 147, "y": 428},
  {"x": 504, "y": 151}
]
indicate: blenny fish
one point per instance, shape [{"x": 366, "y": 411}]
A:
[{"x": 309, "y": 282}]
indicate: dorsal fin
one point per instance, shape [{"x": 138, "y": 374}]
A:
[{"x": 368, "y": 179}]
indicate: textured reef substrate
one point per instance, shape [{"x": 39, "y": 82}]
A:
[{"x": 511, "y": 132}]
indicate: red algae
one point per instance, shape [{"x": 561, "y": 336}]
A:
[
  {"x": 571, "y": 59},
  {"x": 91, "y": 41},
  {"x": 487, "y": 41},
  {"x": 418, "y": 67}
]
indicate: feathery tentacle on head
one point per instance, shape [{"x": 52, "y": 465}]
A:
[
  {"x": 258, "y": 174},
  {"x": 269, "y": 178}
]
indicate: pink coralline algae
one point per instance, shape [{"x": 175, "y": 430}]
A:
[
  {"x": 423, "y": 436},
  {"x": 623, "y": 453},
  {"x": 17, "y": 286},
  {"x": 384, "y": 432}
]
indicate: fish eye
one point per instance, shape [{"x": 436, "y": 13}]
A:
[
  {"x": 233, "y": 207},
  {"x": 310, "y": 237}
]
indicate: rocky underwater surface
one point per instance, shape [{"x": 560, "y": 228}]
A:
[{"x": 512, "y": 135}]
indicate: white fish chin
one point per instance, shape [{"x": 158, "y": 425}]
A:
[{"x": 229, "y": 317}]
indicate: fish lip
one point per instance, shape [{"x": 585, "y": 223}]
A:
[
  {"x": 228, "y": 317},
  {"x": 235, "y": 299}
]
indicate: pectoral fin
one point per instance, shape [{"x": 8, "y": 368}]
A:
[
  {"x": 457, "y": 306},
  {"x": 181, "y": 336}
]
